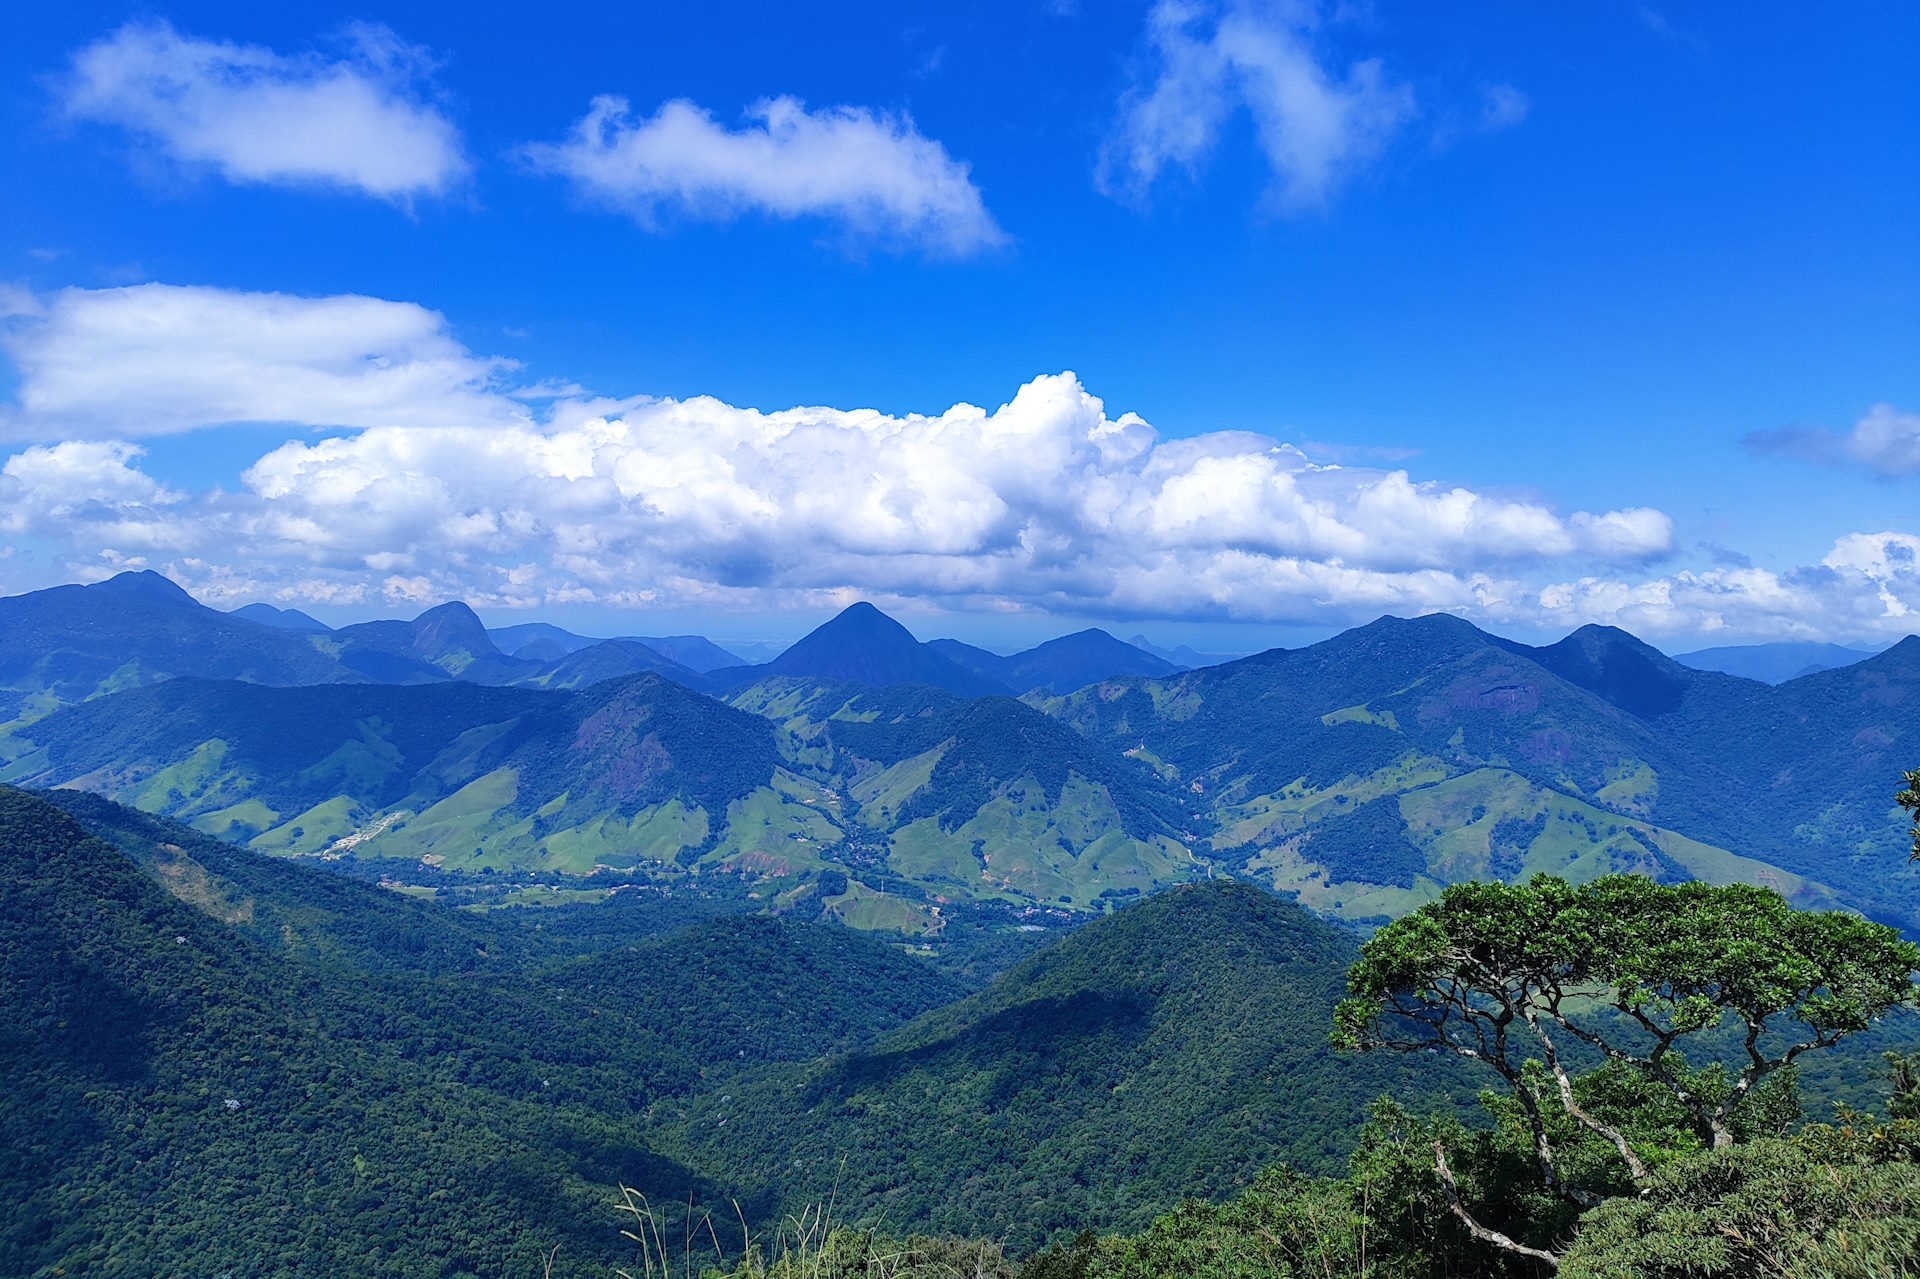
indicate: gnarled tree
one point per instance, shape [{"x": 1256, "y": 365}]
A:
[{"x": 1536, "y": 981}]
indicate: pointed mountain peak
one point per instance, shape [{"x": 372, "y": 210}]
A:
[
  {"x": 1595, "y": 638},
  {"x": 862, "y": 645},
  {"x": 1083, "y": 658},
  {"x": 862, "y": 618},
  {"x": 859, "y": 623}
]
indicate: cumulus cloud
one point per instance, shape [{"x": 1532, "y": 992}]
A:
[
  {"x": 93, "y": 485},
  {"x": 1886, "y": 442},
  {"x": 16, "y": 302},
  {"x": 156, "y": 359},
  {"x": 1317, "y": 125},
  {"x": 367, "y": 121},
  {"x": 1045, "y": 499},
  {"x": 873, "y": 173}
]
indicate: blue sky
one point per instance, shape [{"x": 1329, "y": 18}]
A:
[{"x": 1603, "y": 313}]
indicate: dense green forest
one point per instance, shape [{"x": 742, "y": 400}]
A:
[
  {"x": 221, "y": 1060},
  {"x": 1641, "y": 1119},
  {"x": 426, "y": 1090},
  {"x": 214, "y": 1059}
]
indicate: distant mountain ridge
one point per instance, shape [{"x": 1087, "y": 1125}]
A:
[
  {"x": 862, "y": 645},
  {"x": 546, "y": 643},
  {"x": 1596, "y": 753},
  {"x": 286, "y": 619},
  {"x": 1059, "y": 665},
  {"x": 72, "y": 642},
  {"x": 1774, "y": 663},
  {"x": 639, "y": 770},
  {"x": 1183, "y": 656}
]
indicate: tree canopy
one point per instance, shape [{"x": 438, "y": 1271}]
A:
[{"x": 1634, "y": 1013}]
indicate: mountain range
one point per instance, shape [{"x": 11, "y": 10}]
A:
[
  {"x": 70, "y": 643},
  {"x": 892, "y": 783},
  {"x": 1774, "y": 663}
]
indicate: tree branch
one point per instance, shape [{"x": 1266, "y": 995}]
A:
[
  {"x": 1635, "y": 1168},
  {"x": 1474, "y": 1228}
]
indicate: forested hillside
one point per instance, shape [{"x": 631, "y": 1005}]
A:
[
  {"x": 213, "y": 1060},
  {"x": 1174, "y": 1048}
]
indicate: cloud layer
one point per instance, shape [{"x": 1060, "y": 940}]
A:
[
  {"x": 1317, "y": 125},
  {"x": 448, "y": 486},
  {"x": 365, "y": 122},
  {"x": 1044, "y": 502},
  {"x": 874, "y": 174}
]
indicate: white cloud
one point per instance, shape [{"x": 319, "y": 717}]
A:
[
  {"x": 1501, "y": 107},
  {"x": 156, "y": 359},
  {"x": 873, "y": 173},
  {"x": 1316, "y": 125},
  {"x": 1885, "y": 441},
  {"x": 366, "y": 122}
]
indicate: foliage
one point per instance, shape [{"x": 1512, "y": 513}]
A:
[
  {"x": 997, "y": 741},
  {"x": 199, "y": 750},
  {"x": 1508, "y": 842},
  {"x": 810, "y": 1244},
  {"x": 424, "y": 1091},
  {"x": 1492, "y": 971},
  {"x": 1766, "y": 1208},
  {"x": 1909, "y": 799}
]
